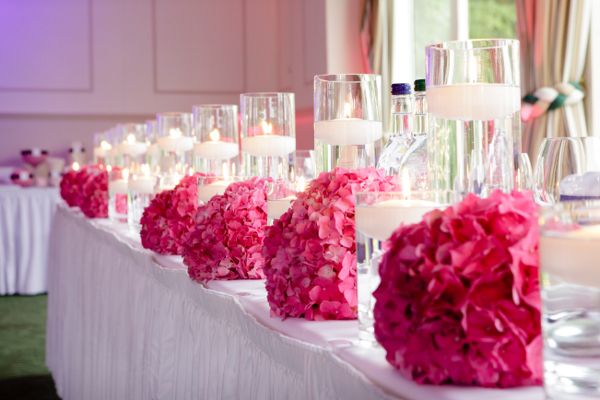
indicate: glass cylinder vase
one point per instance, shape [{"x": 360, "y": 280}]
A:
[
  {"x": 217, "y": 143},
  {"x": 473, "y": 95},
  {"x": 348, "y": 120},
  {"x": 268, "y": 133},
  {"x": 176, "y": 141}
]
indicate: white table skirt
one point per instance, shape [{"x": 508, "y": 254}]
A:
[
  {"x": 25, "y": 216},
  {"x": 124, "y": 323}
]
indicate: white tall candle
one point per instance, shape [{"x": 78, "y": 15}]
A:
[
  {"x": 206, "y": 192},
  {"x": 380, "y": 220},
  {"x": 348, "y": 131},
  {"x": 269, "y": 145},
  {"x": 573, "y": 256},
  {"x": 276, "y": 208},
  {"x": 216, "y": 150}
]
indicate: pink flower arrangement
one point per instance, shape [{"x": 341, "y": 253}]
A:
[
  {"x": 226, "y": 242},
  {"x": 170, "y": 216},
  {"x": 310, "y": 251},
  {"x": 71, "y": 186},
  {"x": 459, "y": 296},
  {"x": 94, "y": 199}
]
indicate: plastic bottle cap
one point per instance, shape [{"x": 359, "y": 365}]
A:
[
  {"x": 420, "y": 85},
  {"x": 401, "y": 88}
]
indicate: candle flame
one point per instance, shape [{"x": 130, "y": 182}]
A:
[
  {"x": 405, "y": 182},
  {"x": 131, "y": 138},
  {"x": 347, "y": 110},
  {"x": 104, "y": 145},
  {"x": 266, "y": 127},
  {"x": 108, "y": 168},
  {"x": 75, "y": 166},
  {"x": 214, "y": 135},
  {"x": 125, "y": 173},
  {"x": 145, "y": 168},
  {"x": 175, "y": 132}
]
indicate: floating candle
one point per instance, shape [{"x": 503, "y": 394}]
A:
[
  {"x": 276, "y": 208},
  {"x": 269, "y": 145},
  {"x": 206, "y": 192},
  {"x": 175, "y": 142},
  {"x": 348, "y": 131}
]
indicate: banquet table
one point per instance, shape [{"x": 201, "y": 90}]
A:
[
  {"x": 125, "y": 323},
  {"x": 25, "y": 217}
]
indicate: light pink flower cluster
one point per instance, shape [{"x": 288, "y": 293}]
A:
[
  {"x": 226, "y": 242},
  {"x": 170, "y": 216},
  {"x": 459, "y": 298},
  {"x": 310, "y": 251},
  {"x": 71, "y": 186},
  {"x": 94, "y": 200}
]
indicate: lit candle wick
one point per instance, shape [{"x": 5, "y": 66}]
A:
[
  {"x": 214, "y": 135},
  {"x": 266, "y": 127}
]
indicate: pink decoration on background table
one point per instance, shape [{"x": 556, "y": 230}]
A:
[
  {"x": 459, "y": 298},
  {"x": 94, "y": 199},
  {"x": 310, "y": 251},
  {"x": 170, "y": 216},
  {"x": 226, "y": 242}
]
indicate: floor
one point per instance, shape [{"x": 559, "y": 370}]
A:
[{"x": 23, "y": 374}]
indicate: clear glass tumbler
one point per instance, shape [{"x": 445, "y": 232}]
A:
[
  {"x": 141, "y": 187},
  {"x": 268, "y": 133},
  {"x": 348, "y": 120},
  {"x": 570, "y": 280},
  {"x": 176, "y": 140},
  {"x": 217, "y": 138},
  {"x": 473, "y": 95},
  {"x": 377, "y": 216}
]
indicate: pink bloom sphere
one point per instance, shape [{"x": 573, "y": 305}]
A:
[
  {"x": 459, "y": 298},
  {"x": 310, "y": 251},
  {"x": 170, "y": 216},
  {"x": 227, "y": 240},
  {"x": 94, "y": 200},
  {"x": 71, "y": 186}
]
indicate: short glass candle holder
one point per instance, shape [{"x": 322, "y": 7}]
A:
[
  {"x": 280, "y": 196},
  {"x": 570, "y": 279},
  {"x": 210, "y": 186},
  {"x": 133, "y": 146},
  {"x": 377, "y": 216},
  {"x": 348, "y": 120},
  {"x": 141, "y": 188},
  {"x": 268, "y": 133},
  {"x": 102, "y": 148},
  {"x": 217, "y": 138},
  {"x": 117, "y": 194},
  {"x": 175, "y": 139}
]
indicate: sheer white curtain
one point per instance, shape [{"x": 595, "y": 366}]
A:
[{"x": 554, "y": 36}]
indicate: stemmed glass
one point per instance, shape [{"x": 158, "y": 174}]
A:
[{"x": 567, "y": 168}]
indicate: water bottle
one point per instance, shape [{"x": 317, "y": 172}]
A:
[
  {"x": 402, "y": 115},
  {"x": 414, "y": 161}
]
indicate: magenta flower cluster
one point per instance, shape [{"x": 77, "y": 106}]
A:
[
  {"x": 459, "y": 298},
  {"x": 310, "y": 251}
]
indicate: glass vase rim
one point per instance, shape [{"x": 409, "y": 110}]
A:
[
  {"x": 459, "y": 45},
  {"x": 214, "y": 106},
  {"x": 570, "y": 138},
  {"x": 165, "y": 114},
  {"x": 342, "y": 78},
  {"x": 265, "y": 94}
]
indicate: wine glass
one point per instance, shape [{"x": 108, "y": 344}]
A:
[{"x": 567, "y": 168}]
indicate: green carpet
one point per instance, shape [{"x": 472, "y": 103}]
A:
[{"x": 23, "y": 374}]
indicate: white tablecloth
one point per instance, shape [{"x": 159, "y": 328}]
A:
[
  {"x": 126, "y": 324},
  {"x": 25, "y": 216}
]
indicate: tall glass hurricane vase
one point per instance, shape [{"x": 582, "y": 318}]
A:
[
  {"x": 473, "y": 94},
  {"x": 268, "y": 133},
  {"x": 348, "y": 120},
  {"x": 176, "y": 143}
]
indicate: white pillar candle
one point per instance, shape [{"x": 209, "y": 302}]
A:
[
  {"x": 142, "y": 184},
  {"x": 269, "y": 145},
  {"x": 276, "y": 208},
  {"x": 572, "y": 256},
  {"x": 348, "y": 131},
  {"x": 216, "y": 150},
  {"x": 206, "y": 192},
  {"x": 380, "y": 220},
  {"x": 118, "y": 186}
]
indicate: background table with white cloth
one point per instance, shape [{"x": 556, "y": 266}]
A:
[
  {"x": 124, "y": 323},
  {"x": 25, "y": 217}
]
